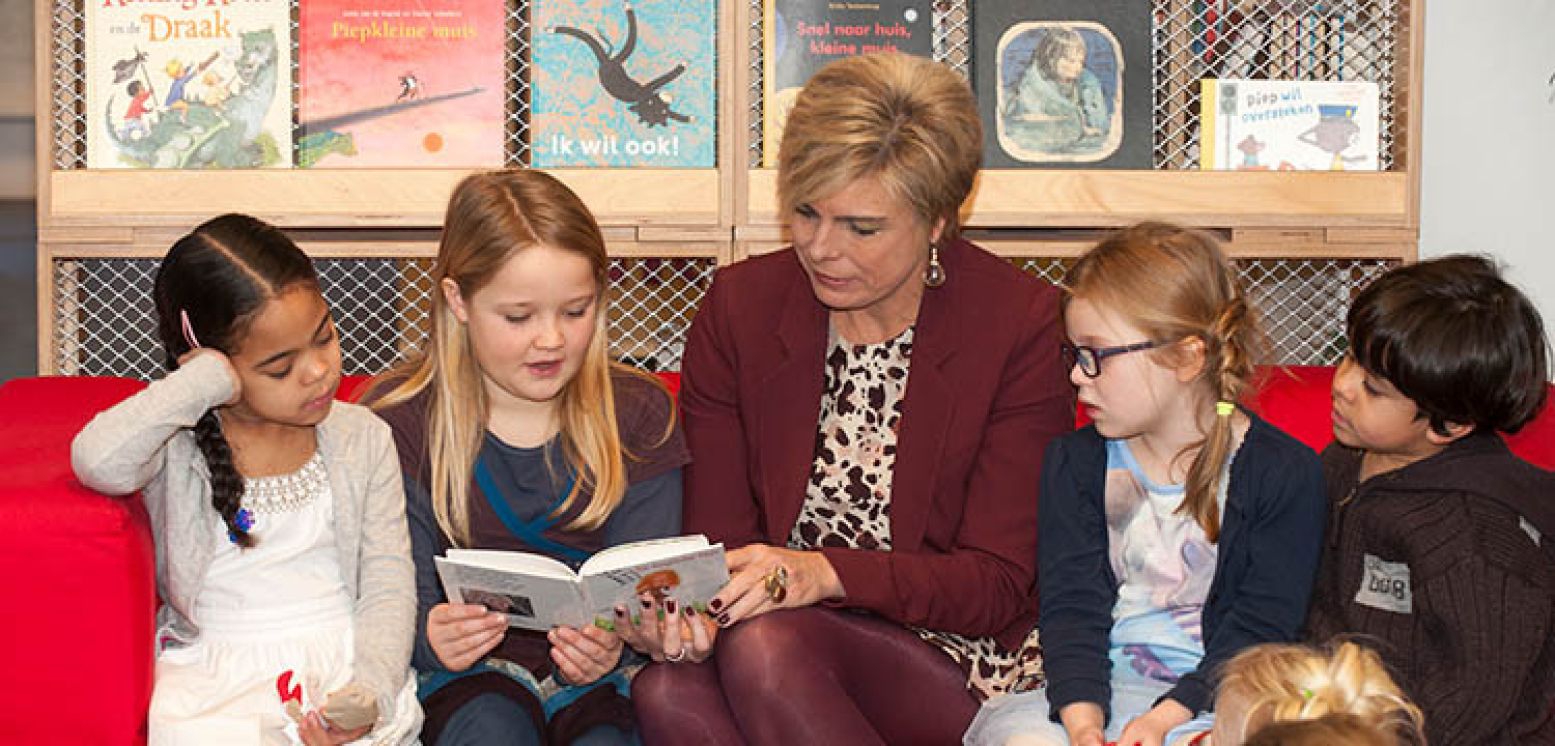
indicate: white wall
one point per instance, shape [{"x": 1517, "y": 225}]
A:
[{"x": 1488, "y": 166}]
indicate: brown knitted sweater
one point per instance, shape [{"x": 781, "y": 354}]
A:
[{"x": 1447, "y": 567}]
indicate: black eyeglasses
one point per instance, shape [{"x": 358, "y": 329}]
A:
[{"x": 1089, "y": 358}]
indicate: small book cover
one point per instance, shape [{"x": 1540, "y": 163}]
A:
[
  {"x": 623, "y": 84},
  {"x": 800, "y": 37},
  {"x": 401, "y": 83},
  {"x": 538, "y": 592},
  {"x": 1064, "y": 83},
  {"x": 1288, "y": 125},
  {"x": 188, "y": 85}
]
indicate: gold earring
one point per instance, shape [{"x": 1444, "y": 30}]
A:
[{"x": 934, "y": 276}]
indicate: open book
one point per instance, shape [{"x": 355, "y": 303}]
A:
[{"x": 538, "y": 592}]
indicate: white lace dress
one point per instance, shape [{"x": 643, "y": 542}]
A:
[{"x": 277, "y": 607}]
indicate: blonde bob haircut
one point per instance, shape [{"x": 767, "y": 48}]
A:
[
  {"x": 1175, "y": 284},
  {"x": 1346, "y": 687},
  {"x": 492, "y": 216},
  {"x": 910, "y": 122}
]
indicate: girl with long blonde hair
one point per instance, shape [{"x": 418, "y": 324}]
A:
[{"x": 517, "y": 432}]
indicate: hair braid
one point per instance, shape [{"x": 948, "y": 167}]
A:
[{"x": 226, "y": 482}]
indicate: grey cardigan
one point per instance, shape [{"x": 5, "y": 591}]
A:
[{"x": 146, "y": 443}]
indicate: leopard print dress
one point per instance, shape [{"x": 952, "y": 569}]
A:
[{"x": 848, "y": 497}]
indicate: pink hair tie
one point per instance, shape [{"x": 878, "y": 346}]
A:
[{"x": 183, "y": 320}]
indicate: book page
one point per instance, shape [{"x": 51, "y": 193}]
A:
[
  {"x": 530, "y": 601},
  {"x": 637, "y": 552},
  {"x": 690, "y": 577},
  {"x": 514, "y": 562}
]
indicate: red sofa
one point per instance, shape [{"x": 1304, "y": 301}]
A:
[{"x": 76, "y": 630}]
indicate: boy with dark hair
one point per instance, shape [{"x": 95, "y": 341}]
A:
[{"x": 1441, "y": 542}]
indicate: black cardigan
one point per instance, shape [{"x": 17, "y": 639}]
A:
[{"x": 1269, "y": 543}]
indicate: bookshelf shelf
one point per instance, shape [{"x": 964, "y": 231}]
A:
[
  {"x": 1210, "y": 199},
  {"x": 357, "y": 198}
]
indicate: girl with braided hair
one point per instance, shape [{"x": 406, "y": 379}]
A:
[
  {"x": 283, "y": 559},
  {"x": 1178, "y": 528}
]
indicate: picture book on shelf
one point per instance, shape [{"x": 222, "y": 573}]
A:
[
  {"x": 188, "y": 85},
  {"x": 623, "y": 84},
  {"x": 1065, "y": 83},
  {"x": 401, "y": 83},
  {"x": 1288, "y": 125},
  {"x": 800, "y": 37},
  {"x": 538, "y": 592}
]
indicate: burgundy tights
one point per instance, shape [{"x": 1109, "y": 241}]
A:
[{"x": 810, "y": 675}]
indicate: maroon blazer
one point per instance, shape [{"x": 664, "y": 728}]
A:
[{"x": 985, "y": 394}]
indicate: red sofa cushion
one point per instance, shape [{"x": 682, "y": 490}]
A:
[{"x": 79, "y": 568}]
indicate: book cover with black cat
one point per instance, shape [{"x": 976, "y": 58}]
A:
[
  {"x": 1064, "y": 83},
  {"x": 401, "y": 83},
  {"x": 802, "y": 36},
  {"x": 623, "y": 84}
]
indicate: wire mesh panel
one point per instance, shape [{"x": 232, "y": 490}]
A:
[
  {"x": 1277, "y": 39},
  {"x": 1195, "y": 39},
  {"x": 652, "y": 302},
  {"x": 1303, "y": 301},
  {"x": 518, "y": 83},
  {"x": 68, "y": 94},
  {"x": 105, "y": 322}
]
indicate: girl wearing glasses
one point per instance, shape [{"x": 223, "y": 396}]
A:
[{"x": 1177, "y": 529}]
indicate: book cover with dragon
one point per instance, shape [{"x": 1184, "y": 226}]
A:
[
  {"x": 624, "y": 84},
  {"x": 401, "y": 83},
  {"x": 800, "y": 37},
  {"x": 188, "y": 85}
]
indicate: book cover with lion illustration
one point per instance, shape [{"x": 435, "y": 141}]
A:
[
  {"x": 401, "y": 83},
  {"x": 623, "y": 84},
  {"x": 188, "y": 85}
]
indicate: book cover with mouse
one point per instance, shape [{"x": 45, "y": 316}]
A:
[
  {"x": 800, "y": 37},
  {"x": 623, "y": 84},
  {"x": 401, "y": 83}
]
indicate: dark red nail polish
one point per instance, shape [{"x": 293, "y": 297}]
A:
[
  {"x": 669, "y": 605},
  {"x": 715, "y": 604},
  {"x": 647, "y": 603},
  {"x": 689, "y": 610},
  {"x": 723, "y": 620},
  {"x": 620, "y": 611}
]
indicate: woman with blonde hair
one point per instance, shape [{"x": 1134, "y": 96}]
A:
[
  {"x": 1295, "y": 694},
  {"x": 867, "y": 410},
  {"x": 515, "y": 431}
]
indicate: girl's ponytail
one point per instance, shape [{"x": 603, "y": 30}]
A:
[
  {"x": 226, "y": 482},
  {"x": 1231, "y": 345}
]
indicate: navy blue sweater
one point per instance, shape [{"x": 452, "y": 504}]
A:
[{"x": 1270, "y": 539}]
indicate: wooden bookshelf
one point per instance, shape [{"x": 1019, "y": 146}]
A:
[{"x": 723, "y": 213}]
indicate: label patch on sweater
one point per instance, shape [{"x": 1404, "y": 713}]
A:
[{"x": 1385, "y": 586}]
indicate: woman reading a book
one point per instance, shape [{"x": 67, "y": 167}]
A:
[
  {"x": 867, "y": 411},
  {"x": 516, "y": 432}
]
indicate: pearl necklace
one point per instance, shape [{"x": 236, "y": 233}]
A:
[{"x": 284, "y": 493}]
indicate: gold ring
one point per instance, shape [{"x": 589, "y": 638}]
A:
[{"x": 776, "y": 582}]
